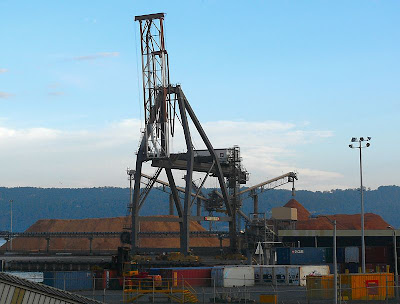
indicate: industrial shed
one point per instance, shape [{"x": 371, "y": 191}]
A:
[{"x": 14, "y": 290}]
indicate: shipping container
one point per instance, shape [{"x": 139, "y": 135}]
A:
[
  {"x": 377, "y": 286},
  {"x": 111, "y": 280},
  {"x": 319, "y": 270},
  {"x": 287, "y": 274},
  {"x": 301, "y": 256},
  {"x": 352, "y": 255},
  {"x": 69, "y": 280},
  {"x": 380, "y": 254},
  {"x": 339, "y": 254},
  {"x": 194, "y": 276},
  {"x": 340, "y": 268},
  {"x": 320, "y": 287},
  {"x": 280, "y": 275},
  {"x": 293, "y": 275},
  {"x": 233, "y": 276},
  {"x": 263, "y": 274},
  {"x": 359, "y": 287}
]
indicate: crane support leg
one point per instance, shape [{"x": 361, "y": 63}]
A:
[
  {"x": 189, "y": 174},
  {"x": 136, "y": 195}
]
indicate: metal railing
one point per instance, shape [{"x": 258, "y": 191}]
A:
[{"x": 103, "y": 286}]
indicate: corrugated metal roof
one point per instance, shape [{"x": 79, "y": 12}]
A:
[{"x": 47, "y": 290}]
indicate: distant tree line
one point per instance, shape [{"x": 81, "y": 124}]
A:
[{"x": 31, "y": 204}]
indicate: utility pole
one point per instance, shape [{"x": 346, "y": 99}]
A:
[
  {"x": 396, "y": 272},
  {"x": 11, "y": 223}
]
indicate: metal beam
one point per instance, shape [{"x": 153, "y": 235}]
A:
[
  {"x": 174, "y": 192},
  {"x": 177, "y": 187},
  {"x": 210, "y": 149},
  {"x": 149, "y": 186},
  {"x": 289, "y": 174},
  {"x": 188, "y": 177},
  {"x": 149, "y": 16},
  {"x": 159, "y": 219}
]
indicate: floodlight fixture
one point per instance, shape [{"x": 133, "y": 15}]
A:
[
  {"x": 353, "y": 139},
  {"x": 351, "y": 146},
  {"x": 368, "y": 144},
  {"x": 369, "y": 138},
  {"x": 362, "y": 138}
]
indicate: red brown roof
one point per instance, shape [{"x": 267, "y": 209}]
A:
[
  {"x": 343, "y": 221},
  {"x": 302, "y": 213}
]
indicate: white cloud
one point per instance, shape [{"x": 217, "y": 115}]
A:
[
  {"x": 2, "y": 70},
  {"x": 5, "y": 95},
  {"x": 100, "y": 157},
  {"x": 97, "y": 56}
]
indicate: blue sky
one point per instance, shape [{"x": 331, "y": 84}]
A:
[{"x": 289, "y": 81}]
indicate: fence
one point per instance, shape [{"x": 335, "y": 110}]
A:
[{"x": 360, "y": 288}]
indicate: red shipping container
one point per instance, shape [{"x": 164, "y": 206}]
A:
[
  {"x": 194, "y": 276},
  {"x": 378, "y": 255},
  {"x": 111, "y": 280}
]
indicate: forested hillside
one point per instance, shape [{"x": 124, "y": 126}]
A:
[{"x": 31, "y": 204}]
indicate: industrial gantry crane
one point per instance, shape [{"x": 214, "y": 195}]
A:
[{"x": 163, "y": 103}]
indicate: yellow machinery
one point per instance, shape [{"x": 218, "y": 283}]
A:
[
  {"x": 153, "y": 286},
  {"x": 179, "y": 257},
  {"x": 138, "y": 284}
]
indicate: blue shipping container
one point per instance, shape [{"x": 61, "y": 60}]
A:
[
  {"x": 339, "y": 254},
  {"x": 301, "y": 256},
  {"x": 69, "y": 280}
]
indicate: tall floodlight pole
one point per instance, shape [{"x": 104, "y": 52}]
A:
[{"x": 360, "y": 147}]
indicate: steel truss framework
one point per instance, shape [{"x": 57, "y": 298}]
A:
[{"x": 188, "y": 164}]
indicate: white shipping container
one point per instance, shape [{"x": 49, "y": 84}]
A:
[
  {"x": 263, "y": 275},
  {"x": 280, "y": 275},
  {"x": 293, "y": 276},
  {"x": 312, "y": 271},
  {"x": 233, "y": 276},
  {"x": 351, "y": 255},
  {"x": 287, "y": 274}
]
